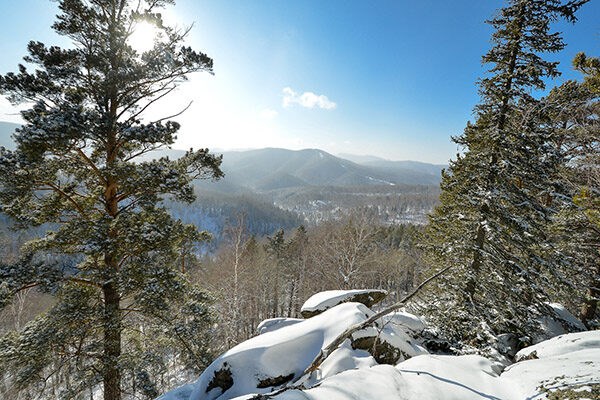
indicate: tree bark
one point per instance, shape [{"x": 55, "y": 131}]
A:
[
  {"x": 112, "y": 342},
  {"x": 592, "y": 296}
]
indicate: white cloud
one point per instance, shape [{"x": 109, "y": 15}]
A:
[
  {"x": 306, "y": 99},
  {"x": 268, "y": 114}
]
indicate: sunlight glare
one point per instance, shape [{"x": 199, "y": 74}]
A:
[{"x": 143, "y": 37}]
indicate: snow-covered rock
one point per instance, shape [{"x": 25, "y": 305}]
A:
[
  {"x": 343, "y": 359},
  {"x": 287, "y": 347},
  {"x": 558, "y": 324},
  {"x": 423, "y": 377},
  {"x": 388, "y": 343},
  {"x": 275, "y": 359},
  {"x": 405, "y": 321},
  {"x": 322, "y": 301},
  {"x": 571, "y": 362},
  {"x": 561, "y": 345}
]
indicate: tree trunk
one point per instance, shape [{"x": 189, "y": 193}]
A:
[
  {"x": 475, "y": 268},
  {"x": 592, "y": 296},
  {"x": 111, "y": 374}
]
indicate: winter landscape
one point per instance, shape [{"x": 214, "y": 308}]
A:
[{"x": 428, "y": 229}]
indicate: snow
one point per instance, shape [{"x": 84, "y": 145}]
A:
[
  {"x": 562, "y": 345},
  {"x": 285, "y": 351},
  {"x": 422, "y": 377},
  {"x": 571, "y": 361},
  {"x": 531, "y": 378},
  {"x": 552, "y": 327},
  {"x": 380, "y": 181},
  {"x": 397, "y": 338},
  {"x": 406, "y": 320},
  {"x": 344, "y": 359},
  {"x": 288, "y": 346},
  {"x": 331, "y": 298},
  {"x": 272, "y": 324}
]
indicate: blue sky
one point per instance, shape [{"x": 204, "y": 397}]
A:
[{"x": 389, "y": 78}]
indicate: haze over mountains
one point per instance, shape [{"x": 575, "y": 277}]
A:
[
  {"x": 273, "y": 169},
  {"x": 283, "y": 188},
  {"x": 6, "y": 130}
]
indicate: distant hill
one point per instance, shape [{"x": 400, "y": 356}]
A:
[
  {"x": 274, "y": 169},
  {"x": 6, "y": 131},
  {"x": 415, "y": 168},
  {"x": 270, "y": 169},
  {"x": 407, "y": 167},
  {"x": 360, "y": 159},
  {"x": 281, "y": 188}
]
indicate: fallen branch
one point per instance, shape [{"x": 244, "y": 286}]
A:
[{"x": 347, "y": 334}]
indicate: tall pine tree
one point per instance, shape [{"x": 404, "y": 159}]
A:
[
  {"x": 576, "y": 111},
  {"x": 77, "y": 169},
  {"x": 497, "y": 196}
]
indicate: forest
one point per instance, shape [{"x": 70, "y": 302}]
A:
[{"x": 122, "y": 277}]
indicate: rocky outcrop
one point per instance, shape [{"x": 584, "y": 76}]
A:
[{"x": 322, "y": 301}]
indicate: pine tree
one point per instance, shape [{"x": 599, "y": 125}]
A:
[
  {"x": 77, "y": 169},
  {"x": 576, "y": 110},
  {"x": 496, "y": 197}
]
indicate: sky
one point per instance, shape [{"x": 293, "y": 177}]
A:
[{"x": 390, "y": 78}]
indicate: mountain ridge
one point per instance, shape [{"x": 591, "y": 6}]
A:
[{"x": 273, "y": 168}]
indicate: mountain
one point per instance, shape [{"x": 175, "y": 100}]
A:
[
  {"x": 407, "y": 168},
  {"x": 6, "y": 131},
  {"x": 360, "y": 159},
  {"x": 317, "y": 186},
  {"x": 273, "y": 169},
  {"x": 279, "y": 187}
]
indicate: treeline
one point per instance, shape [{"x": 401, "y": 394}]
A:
[
  {"x": 212, "y": 212},
  {"x": 254, "y": 278},
  {"x": 387, "y": 204}
]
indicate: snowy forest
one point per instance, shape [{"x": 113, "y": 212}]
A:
[{"x": 112, "y": 288}]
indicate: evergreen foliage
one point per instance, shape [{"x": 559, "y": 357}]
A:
[
  {"x": 577, "y": 226},
  {"x": 126, "y": 313},
  {"x": 498, "y": 196}
]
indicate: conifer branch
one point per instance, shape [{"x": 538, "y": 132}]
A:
[
  {"x": 92, "y": 165},
  {"x": 69, "y": 198}
]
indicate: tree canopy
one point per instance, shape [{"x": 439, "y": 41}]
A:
[{"x": 78, "y": 170}]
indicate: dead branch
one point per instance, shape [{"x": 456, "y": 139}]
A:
[{"x": 347, "y": 334}]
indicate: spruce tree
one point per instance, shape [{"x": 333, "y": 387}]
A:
[
  {"x": 497, "y": 197},
  {"x": 575, "y": 111},
  {"x": 77, "y": 169}
]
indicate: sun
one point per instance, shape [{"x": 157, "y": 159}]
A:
[{"x": 143, "y": 37}]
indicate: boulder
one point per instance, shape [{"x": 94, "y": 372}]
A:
[{"x": 322, "y": 301}]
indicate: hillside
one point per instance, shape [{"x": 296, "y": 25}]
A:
[
  {"x": 272, "y": 168},
  {"x": 317, "y": 186}
]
